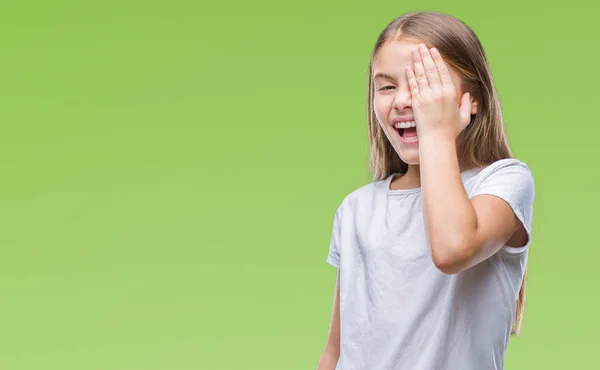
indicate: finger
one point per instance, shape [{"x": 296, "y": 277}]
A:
[
  {"x": 443, "y": 71},
  {"x": 431, "y": 69},
  {"x": 412, "y": 82},
  {"x": 419, "y": 70}
]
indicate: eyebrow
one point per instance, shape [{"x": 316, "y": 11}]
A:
[{"x": 384, "y": 76}]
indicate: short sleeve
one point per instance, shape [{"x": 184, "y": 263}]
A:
[
  {"x": 333, "y": 257},
  {"x": 511, "y": 180}
]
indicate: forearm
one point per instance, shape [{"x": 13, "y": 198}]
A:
[
  {"x": 450, "y": 219},
  {"x": 329, "y": 360}
]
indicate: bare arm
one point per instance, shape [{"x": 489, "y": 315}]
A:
[
  {"x": 331, "y": 353},
  {"x": 461, "y": 232}
]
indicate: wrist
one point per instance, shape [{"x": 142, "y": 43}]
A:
[
  {"x": 436, "y": 148},
  {"x": 436, "y": 137}
]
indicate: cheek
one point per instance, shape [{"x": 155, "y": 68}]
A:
[{"x": 381, "y": 107}]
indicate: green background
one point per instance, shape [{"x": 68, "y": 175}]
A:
[{"x": 170, "y": 173}]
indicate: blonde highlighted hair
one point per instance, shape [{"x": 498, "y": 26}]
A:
[{"x": 484, "y": 140}]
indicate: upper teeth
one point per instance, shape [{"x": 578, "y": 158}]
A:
[{"x": 405, "y": 124}]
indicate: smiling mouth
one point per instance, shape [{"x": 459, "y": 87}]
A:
[
  {"x": 410, "y": 132},
  {"x": 407, "y": 136}
]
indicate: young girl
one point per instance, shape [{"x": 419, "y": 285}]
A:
[{"x": 432, "y": 254}]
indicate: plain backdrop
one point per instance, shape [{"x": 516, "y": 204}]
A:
[{"x": 170, "y": 173}]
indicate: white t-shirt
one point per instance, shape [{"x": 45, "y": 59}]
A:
[{"x": 397, "y": 310}]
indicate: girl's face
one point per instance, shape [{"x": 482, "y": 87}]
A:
[{"x": 392, "y": 98}]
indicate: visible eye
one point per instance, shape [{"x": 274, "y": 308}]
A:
[{"x": 385, "y": 87}]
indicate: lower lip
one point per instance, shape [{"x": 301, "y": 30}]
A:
[{"x": 410, "y": 141}]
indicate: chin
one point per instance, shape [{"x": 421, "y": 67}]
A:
[
  {"x": 410, "y": 160},
  {"x": 409, "y": 156}
]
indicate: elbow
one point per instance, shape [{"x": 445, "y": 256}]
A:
[
  {"x": 450, "y": 258},
  {"x": 448, "y": 267}
]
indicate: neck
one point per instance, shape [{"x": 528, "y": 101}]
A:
[
  {"x": 410, "y": 180},
  {"x": 413, "y": 174}
]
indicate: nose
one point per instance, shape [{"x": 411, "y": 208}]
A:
[{"x": 402, "y": 99}]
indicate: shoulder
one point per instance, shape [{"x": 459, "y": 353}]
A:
[
  {"x": 509, "y": 179},
  {"x": 362, "y": 195},
  {"x": 504, "y": 172},
  {"x": 506, "y": 165},
  {"x": 512, "y": 165}
]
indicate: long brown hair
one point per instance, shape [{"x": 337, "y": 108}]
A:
[{"x": 484, "y": 140}]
